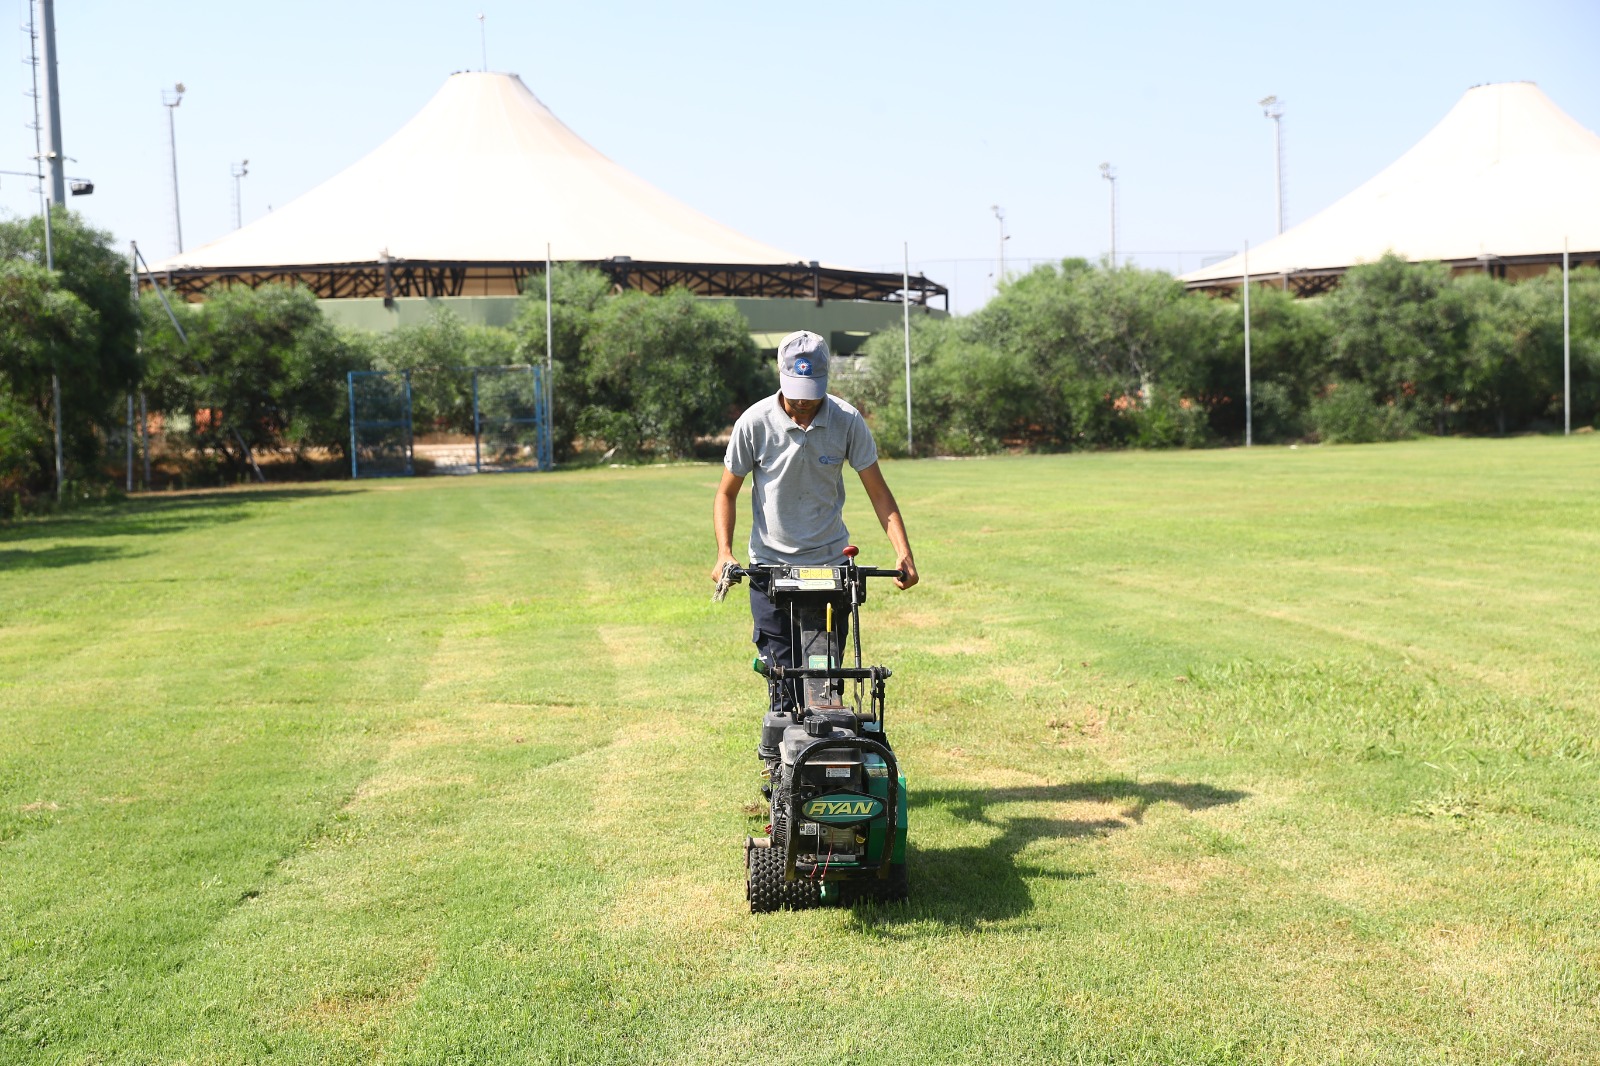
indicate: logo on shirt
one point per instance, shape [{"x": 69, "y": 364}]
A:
[
  {"x": 830, "y": 460},
  {"x": 802, "y": 367}
]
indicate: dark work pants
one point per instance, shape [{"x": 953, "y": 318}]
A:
[{"x": 777, "y": 645}]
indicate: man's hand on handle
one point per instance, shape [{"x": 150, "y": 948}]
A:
[
  {"x": 724, "y": 576},
  {"x": 908, "y": 566}
]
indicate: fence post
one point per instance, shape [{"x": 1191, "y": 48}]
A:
[
  {"x": 350, "y": 382},
  {"x": 477, "y": 426},
  {"x": 410, "y": 431}
]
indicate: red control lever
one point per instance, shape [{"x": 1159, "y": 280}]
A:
[{"x": 850, "y": 551}]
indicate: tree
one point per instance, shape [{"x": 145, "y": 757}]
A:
[
  {"x": 661, "y": 371},
  {"x": 80, "y": 322},
  {"x": 1400, "y": 329},
  {"x": 1511, "y": 361},
  {"x": 967, "y": 397},
  {"x": 44, "y": 330},
  {"x": 261, "y": 370},
  {"x": 576, "y": 295},
  {"x": 438, "y": 353},
  {"x": 1117, "y": 355}
]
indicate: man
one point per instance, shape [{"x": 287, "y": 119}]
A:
[{"x": 796, "y": 444}]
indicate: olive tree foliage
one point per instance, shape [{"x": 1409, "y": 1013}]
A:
[
  {"x": 1074, "y": 356},
  {"x": 1066, "y": 356},
  {"x": 43, "y": 330},
  {"x": 1399, "y": 328},
  {"x": 640, "y": 373},
  {"x": 967, "y": 397},
  {"x": 576, "y": 294},
  {"x": 437, "y": 353},
  {"x": 662, "y": 371},
  {"x": 78, "y": 322},
  {"x": 1584, "y": 300},
  {"x": 261, "y": 370}
]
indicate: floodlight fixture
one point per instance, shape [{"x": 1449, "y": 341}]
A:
[
  {"x": 238, "y": 170},
  {"x": 1000, "y": 217},
  {"x": 1110, "y": 175},
  {"x": 1272, "y": 107}
]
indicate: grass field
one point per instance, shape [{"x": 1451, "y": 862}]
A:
[{"x": 1286, "y": 756}]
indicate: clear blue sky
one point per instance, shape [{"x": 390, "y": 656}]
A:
[{"x": 834, "y": 130}]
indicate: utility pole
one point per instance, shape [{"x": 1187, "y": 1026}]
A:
[
  {"x": 1566, "y": 338},
  {"x": 37, "y": 14},
  {"x": 171, "y": 98},
  {"x": 1111, "y": 175},
  {"x": 905, "y": 315},
  {"x": 1272, "y": 108},
  {"x": 1249, "y": 434},
  {"x": 238, "y": 170}
]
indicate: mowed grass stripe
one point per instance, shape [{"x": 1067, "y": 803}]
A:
[{"x": 1216, "y": 757}]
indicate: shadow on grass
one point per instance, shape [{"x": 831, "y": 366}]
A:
[
  {"x": 57, "y": 557},
  {"x": 985, "y": 882},
  {"x": 149, "y": 515}
]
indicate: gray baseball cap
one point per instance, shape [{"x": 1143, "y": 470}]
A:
[{"x": 803, "y": 366}]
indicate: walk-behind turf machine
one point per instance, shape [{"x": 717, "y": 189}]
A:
[{"x": 838, "y": 801}]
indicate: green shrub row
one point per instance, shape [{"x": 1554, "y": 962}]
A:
[
  {"x": 1066, "y": 356},
  {"x": 1075, "y": 356}
]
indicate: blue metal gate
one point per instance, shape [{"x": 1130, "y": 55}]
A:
[
  {"x": 510, "y": 421},
  {"x": 380, "y": 423}
]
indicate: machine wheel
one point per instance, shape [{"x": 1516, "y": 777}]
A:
[
  {"x": 768, "y": 891},
  {"x": 764, "y": 879},
  {"x": 800, "y": 894}
]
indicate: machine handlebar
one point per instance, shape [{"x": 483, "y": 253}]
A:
[
  {"x": 763, "y": 568},
  {"x": 733, "y": 573}
]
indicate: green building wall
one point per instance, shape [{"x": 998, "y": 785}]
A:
[{"x": 846, "y": 323}]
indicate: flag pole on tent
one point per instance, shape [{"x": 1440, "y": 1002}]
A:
[
  {"x": 905, "y": 314},
  {"x": 1566, "y": 339},
  {"x": 1248, "y": 427}
]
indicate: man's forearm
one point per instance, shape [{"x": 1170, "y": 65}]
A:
[
  {"x": 723, "y": 511},
  {"x": 895, "y": 527}
]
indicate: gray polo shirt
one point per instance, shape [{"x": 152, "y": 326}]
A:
[{"x": 798, "y": 490}]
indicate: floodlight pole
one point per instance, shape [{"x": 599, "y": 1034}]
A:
[
  {"x": 133, "y": 293},
  {"x": 1566, "y": 338},
  {"x": 170, "y": 99},
  {"x": 905, "y": 313},
  {"x": 1110, "y": 175},
  {"x": 52, "y": 95},
  {"x": 238, "y": 170},
  {"x": 1249, "y": 428},
  {"x": 549, "y": 356},
  {"x": 1273, "y": 109},
  {"x": 1000, "y": 217}
]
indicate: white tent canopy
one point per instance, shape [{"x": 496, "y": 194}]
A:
[
  {"x": 1503, "y": 179},
  {"x": 464, "y": 199}
]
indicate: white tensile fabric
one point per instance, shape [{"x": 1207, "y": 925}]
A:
[
  {"x": 1506, "y": 173},
  {"x": 483, "y": 173}
]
